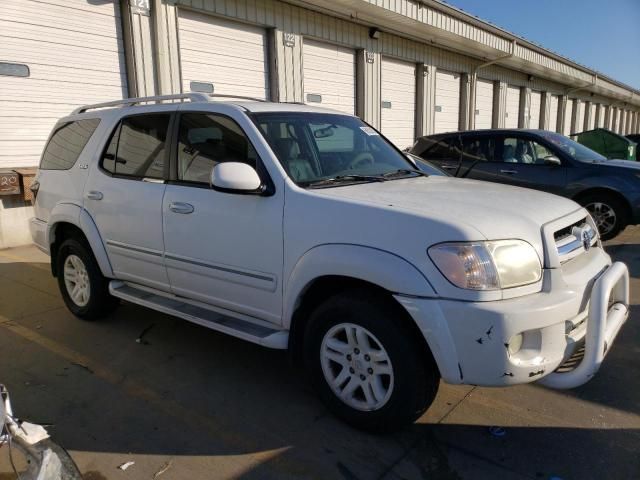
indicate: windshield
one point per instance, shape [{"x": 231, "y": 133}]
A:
[
  {"x": 574, "y": 149},
  {"x": 326, "y": 149}
]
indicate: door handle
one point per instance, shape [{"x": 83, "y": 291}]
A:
[
  {"x": 509, "y": 172},
  {"x": 179, "y": 207},
  {"x": 94, "y": 195},
  {"x": 449, "y": 167}
]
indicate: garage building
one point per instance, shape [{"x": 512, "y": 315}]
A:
[{"x": 407, "y": 67}]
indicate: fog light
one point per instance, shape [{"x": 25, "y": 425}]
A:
[{"x": 515, "y": 344}]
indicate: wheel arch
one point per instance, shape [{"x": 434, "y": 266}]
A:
[
  {"x": 71, "y": 221},
  {"x": 605, "y": 191}
]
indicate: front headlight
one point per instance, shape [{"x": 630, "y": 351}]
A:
[{"x": 487, "y": 265}]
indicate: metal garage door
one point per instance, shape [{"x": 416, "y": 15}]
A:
[
  {"x": 534, "y": 109},
  {"x": 398, "y": 101},
  {"x": 513, "y": 107},
  {"x": 592, "y": 117},
  {"x": 230, "y": 55},
  {"x": 447, "y": 114},
  {"x": 484, "y": 104},
  {"x": 553, "y": 112},
  {"x": 568, "y": 110},
  {"x": 580, "y": 115},
  {"x": 75, "y": 56},
  {"x": 329, "y": 73}
]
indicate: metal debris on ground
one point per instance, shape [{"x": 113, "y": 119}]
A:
[
  {"x": 126, "y": 465},
  {"x": 140, "y": 338},
  {"x": 497, "y": 431},
  {"x": 164, "y": 468}
]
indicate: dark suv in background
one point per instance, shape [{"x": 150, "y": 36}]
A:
[{"x": 548, "y": 161}]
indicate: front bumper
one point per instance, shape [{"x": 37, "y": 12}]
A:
[{"x": 470, "y": 340}]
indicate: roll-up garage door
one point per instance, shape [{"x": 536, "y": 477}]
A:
[
  {"x": 329, "y": 73},
  {"x": 534, "y": 109},
  {"x": 447, "y": 114},
  {"x": 568, "y": 112},
  {"x": 553, "y": 113},
  {"x": 74, "y": 54},
  {"x": 484, "y": 103},
  {"x": 398, "y": 101},
  {"x": 513, "y": 107},
  {"x": 592, "y": 117},
  {"x": 581, "y": 114},
  {"x": 230, "y": 55}
]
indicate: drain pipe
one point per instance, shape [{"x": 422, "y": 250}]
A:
[{"x": 474, "y": 78}]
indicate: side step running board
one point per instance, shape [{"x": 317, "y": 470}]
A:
[{"x": 166, "y": 303}]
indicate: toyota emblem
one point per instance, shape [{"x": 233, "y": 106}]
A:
[{"x": 586, "y": 240}]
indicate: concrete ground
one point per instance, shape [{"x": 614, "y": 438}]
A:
[{"x": 202, "y": 405}]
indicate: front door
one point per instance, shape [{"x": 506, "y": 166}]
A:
[
  {"x": 124, "y": 194},
  {"x": 223, "y": 249},
  {"x": 527, "y": 163}
]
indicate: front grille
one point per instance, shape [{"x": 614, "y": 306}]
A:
[
  {"x": 575, "y": 239},
  {"x": 572, "y": 362}
]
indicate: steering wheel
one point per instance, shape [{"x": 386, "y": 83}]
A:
[{"x": 361, "y": 159}]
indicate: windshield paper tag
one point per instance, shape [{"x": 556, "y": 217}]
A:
[{"x": 369, "y": 130}]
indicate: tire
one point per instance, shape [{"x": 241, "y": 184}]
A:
[
  {"x": 608, "y": 212},
  {"x": 406, "y": 393},
  {"x": 96, "y": 302}
]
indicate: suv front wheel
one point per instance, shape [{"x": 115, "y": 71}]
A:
[
  {"x": 366, "y": 364},
  {"x": 84, "y": 289}
]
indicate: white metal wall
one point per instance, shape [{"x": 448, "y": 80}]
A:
[
  {"x": 398, "y": 101},
  {"x": 568, "y": 111},
  {"x": 329, "y": 71},
  {"x": 534, "y": 109},
  {"x": 230, "y": 55},
  {"x": 512, "y": 107},
  {"x": 447, "y": 107},
  {"x": 554, "y": 101},
  {"x": 75, "y": 54},
  {"x": 484, "y": 104}
]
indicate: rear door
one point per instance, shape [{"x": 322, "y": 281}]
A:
[
  {"x": 124, "y": 195},
  {"x": 525, "y": 161}
]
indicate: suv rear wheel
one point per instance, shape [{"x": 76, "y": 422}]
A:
[
  {"x": 84, "y": 289},
  {"x": 367, "y": 366}
]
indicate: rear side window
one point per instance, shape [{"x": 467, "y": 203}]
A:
[
  {"x": 137, "y": 147},
  {"x": 66, "y": 144},
  {"x": 442, "y": 149}
]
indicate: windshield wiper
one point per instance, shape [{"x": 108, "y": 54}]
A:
[
  {"x": 345, "y": 178},
  {"x": 403, "y": 172}
]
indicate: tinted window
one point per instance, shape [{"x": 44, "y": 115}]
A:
[
  {"x": 574, "y": 149},
  {"x": 66, "y": 144},
  {"x": 332, "y": 138},
  {"x": 206, "y": 140},
  {"x": 137, "y": 147},
  {"x": 478, "y": 149},
  {"x": 442, "y": 149},
  {"x": 524, "y": 150}
]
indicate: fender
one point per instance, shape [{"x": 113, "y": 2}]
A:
[
  {"x": 78, "y": 216},
  {"x": 379, "y": 267}
]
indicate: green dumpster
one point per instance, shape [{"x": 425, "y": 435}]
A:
[{"x": 607, "y": 143}]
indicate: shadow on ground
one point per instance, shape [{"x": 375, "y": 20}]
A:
[{"x": 183, "y": 390}]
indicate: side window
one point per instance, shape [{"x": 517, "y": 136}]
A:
[
  {"x": 479, "y": 149},
  {"x": 444, "y": 149},
  {"x": 204, "y": 140},
  {"x": 524, "y": 150},
  {"x": 137, "y": 147},
  {"x": 66, "y": 144}
]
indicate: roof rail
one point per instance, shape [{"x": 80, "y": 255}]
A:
[
  {"x": 239, "y": 97},
  {"x": 194, "y": 97}
]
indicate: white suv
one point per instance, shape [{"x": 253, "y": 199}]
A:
[{"x": 302, "y": 228}]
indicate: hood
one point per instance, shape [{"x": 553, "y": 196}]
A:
[
  {"x": 494, "y": 210},
  {"x": 634, "y": 165}
]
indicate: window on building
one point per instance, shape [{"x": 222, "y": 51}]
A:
[
  {"x": 66, "y": 144},
  {"x": 204, "y": 140}
]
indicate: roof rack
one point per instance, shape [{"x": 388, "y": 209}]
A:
[
  {"x": 127, "y": 102},
  {"x": 239, "y": 97}
]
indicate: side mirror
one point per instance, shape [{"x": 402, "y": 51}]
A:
[
  {"x": 552, "y": 160},
  {"x": 235, "y": 177}
]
